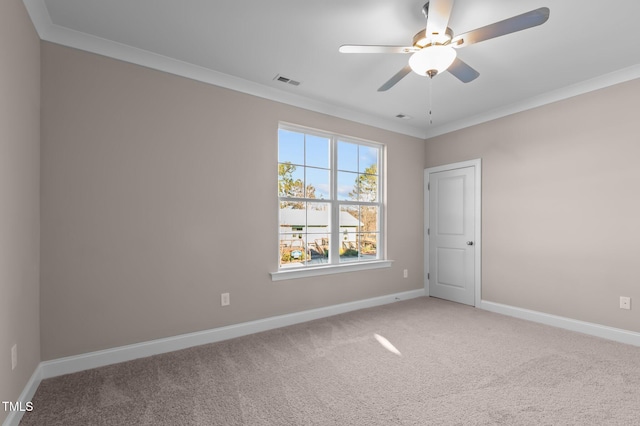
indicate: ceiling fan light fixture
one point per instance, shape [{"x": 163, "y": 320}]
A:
[{"x": 432, "y": 58}]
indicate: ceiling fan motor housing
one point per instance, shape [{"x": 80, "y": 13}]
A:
[{"x": 420, "y": 40}]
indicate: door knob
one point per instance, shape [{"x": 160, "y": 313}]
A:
[{"x": 469, "y": 243}]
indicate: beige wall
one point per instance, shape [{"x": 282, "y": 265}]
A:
[
  {"x": 19, "y": 198},
  {"x": 561, "y": 205},
  {"x": 139, "y": 169},
  {"x": 159, "y": 194},
  {"x": 155, "y": 186}
]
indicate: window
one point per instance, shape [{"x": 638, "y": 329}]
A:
[{"x": 330, "y": 199}]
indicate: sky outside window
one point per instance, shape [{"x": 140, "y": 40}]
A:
[{"x": 311, "y": 154}]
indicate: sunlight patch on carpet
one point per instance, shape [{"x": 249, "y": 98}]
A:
[{"x": 387, "y": 344}]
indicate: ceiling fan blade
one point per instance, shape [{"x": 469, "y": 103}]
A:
[
  {"x": 396, "y": 78},
  {"x": 508, "y": 26},
  {"x": 462, "y": 71},
  {"x": 438, "y": 15},
  {"x": 350, "y": 48}
]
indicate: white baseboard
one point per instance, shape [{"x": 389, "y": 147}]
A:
[
  {"x": 605, "y": 332},
  {"x": 14, "y": 417},
  {"x": 76, "y": 363},
  {"x": 72, "y": 364}
]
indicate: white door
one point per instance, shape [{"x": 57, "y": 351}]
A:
[{"x": 452, "y": 234}]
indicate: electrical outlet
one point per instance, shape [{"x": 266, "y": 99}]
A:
[
  {"x": 625, "y": 302},
  {"x": 224, "y": 299},
  {"x": 14, "y": 356},
  {"x": 406, "y": 273}
]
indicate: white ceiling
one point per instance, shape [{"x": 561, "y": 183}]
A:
[{"x": 244, "y": 44}]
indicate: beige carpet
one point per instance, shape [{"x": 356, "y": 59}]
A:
[{"x": 456, "y": 366}]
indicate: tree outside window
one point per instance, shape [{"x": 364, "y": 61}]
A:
[{"x": 329, "y": 198}]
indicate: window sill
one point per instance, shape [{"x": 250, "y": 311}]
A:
[{"x": 328, "y": 270}]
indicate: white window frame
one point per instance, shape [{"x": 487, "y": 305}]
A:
[{"x": 334, "y": 265}]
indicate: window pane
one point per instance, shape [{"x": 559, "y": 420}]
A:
[
  {"x": 317, "y": 183},
  {"x": 368, "y": 160},
  {"x": 293, "y": 220},
  {"x": 369, "y": 219},
  {"x": 368, "y": 246},
  {"x": 290, "y": 180},
  {"x": 318, "y": 217},
  {"x": 290, "y": 147},
  {"x": 349, "y": 248},
  {"x": 349, "y": 228},
  {"x": 349, "y": 219},
  {"x": 347, "y": 187},
  {"x": 304, "y": 234},
  {"x": 317, "y": 230},
  {"x": 293, "y": 226},
  {"x": 318, "y": 244},
  {"x": 292, "y": 250},
  {"x": 317, "y": 151},
  {"x": 359, "y": 233},
  {"x": 366, "y": 187},
  {"x": 347, "y": 156}
]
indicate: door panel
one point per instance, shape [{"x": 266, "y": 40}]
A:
[
  {"x": 450, "y": 265},
  {"x": 450, "y": 205},
  {"x": 451, "y": 234}
]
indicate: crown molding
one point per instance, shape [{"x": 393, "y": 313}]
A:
[
  {"x": 600, "y": 82},
  {"x": 64, "y": 36},
  {"x": 48, "y": 31}
]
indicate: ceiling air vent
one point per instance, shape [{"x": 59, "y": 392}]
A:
[
  {"x": 287, "y": 80},
  {"x": 404, "y": 116}
]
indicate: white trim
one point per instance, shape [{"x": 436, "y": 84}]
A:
[
  {"x": 592, "y": 329},
  {"x": 289, "y": 274},
  {"x": 72, "y": 364},
  {"x": 600, "y": 82},
  {"x": 14, "y": 417},
  {"x": 40, "y": 17},
  {"x": 56, "y": 34},
  {"x": 425, "y": 235},
  {"x": 333, "y": 264},
  {"x": 76, "y": 363},
  {"x": 53, "y": 368},
  {"x": 477, "y": 165},
  {"x": 61, "y": 35}
]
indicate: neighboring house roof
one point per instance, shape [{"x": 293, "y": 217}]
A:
[{"x": 298, "y": 217}]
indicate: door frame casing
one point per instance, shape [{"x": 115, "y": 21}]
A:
[{"x": 477, "y": 164}]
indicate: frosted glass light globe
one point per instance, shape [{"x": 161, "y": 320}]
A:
[{"x": 430, "y": 58}]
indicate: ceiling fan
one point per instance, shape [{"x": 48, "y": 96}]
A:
[{"x": 434, "y": 48}]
